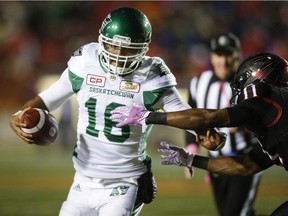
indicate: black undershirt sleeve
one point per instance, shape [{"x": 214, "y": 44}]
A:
[
  {"x": 238, "y": 116},
  {"x": 251, "y": 111},
  {"x": 156, "y": 118}
]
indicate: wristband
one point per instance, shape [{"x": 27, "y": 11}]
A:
[
  {"x": 200, "y": 162},
  {"x": 156, "y": 118}
]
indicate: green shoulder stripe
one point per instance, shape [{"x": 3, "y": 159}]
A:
[
  {"x": 151, "y": 97},
  {"x": 76, "y": 81}
]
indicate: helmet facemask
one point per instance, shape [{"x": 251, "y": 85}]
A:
[
  {"x": 121, "y": 64},
  {"x": 239, "y": 84}
]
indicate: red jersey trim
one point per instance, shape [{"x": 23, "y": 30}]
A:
[{"x": 278, "y": 107}]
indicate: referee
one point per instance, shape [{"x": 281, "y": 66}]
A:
[{"x": 234, "y": 195}]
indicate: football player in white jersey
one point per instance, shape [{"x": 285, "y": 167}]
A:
[{"x": 113, "y": 171}]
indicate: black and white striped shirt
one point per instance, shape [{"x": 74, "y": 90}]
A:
[{"x": 207, "y": 91}]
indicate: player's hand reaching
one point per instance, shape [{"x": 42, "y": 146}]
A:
[
  {"x": 174, "y": 155},
  {"x": 129, "y": 115},
  {"x": 211, "y": 139}
]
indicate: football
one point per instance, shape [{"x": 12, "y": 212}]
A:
[{"x": 41, "y": 124}]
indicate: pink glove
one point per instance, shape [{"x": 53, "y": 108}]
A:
[
  {"x": 129, "y": 115},
  {"x": 175, "y": 155}
]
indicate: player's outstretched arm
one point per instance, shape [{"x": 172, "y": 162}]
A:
[
  {"x": 236, "y": 165},
  {"x": 191, "y": 119},
  {"x": 16, "y": 124},
  {"x": 199, "y": 120}
]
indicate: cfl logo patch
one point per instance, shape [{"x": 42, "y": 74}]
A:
[
  {"x": 96, "y": 80},
  {"x": 121, "y": 190}
]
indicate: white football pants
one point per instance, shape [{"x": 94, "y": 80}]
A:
[{"x": 100, "y": 197}]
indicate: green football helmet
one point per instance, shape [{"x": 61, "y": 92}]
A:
[{"x": 124, "y": 28}]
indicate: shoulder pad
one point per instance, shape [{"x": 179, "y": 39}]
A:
[
  {"x": 160, "y": 66},
  {"x": 82, "y": 56},
  {"x": 160, "y": 75}
]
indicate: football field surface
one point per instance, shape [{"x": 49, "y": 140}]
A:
[{"x": 35, "y": 180}]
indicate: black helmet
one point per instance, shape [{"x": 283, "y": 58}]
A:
[{"x": 262, "y": 67}]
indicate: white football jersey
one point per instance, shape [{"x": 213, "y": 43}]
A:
[{"x": 103, "y": 150}]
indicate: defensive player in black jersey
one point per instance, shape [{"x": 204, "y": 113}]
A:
[
  {"x": 233, "y": 195},
  {"x": 261, "y": 95}
]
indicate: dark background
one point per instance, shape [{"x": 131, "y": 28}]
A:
[{"x": 38, "y": 38}]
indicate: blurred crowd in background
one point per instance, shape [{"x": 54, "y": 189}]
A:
[{"x": 38, "y": 38}]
